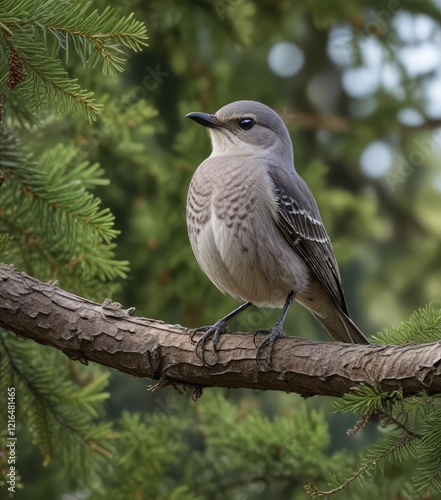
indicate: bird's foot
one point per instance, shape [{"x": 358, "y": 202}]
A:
[
  {"x": 272, "y": 334},
  {"x": 213, "y": 332}
]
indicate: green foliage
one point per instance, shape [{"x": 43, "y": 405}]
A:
[
  {"x": 235, "y": 452},
  {"x": 143, "y": 462},
  {"x": 74, "y": 244},
  {"x": 5, "y": 244},
  {"x": 423, "y": 326},
  {"x": 428, "y": 475},
  {"x": 60, "y": 415},
  {"x": 411, "y": 433},
  {"x": 325, "y": 14},
  {"x": 32, "y": 32},
  {"x": 270, "y": 453},
  {"x": 367, "y": 400}
]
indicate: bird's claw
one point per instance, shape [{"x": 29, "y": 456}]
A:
[
  {"x": 208, "y": 331},
  {"x": 272, "y": 334}
]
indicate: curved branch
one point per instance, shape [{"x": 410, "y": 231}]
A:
[{"x": 142, "y": 347}]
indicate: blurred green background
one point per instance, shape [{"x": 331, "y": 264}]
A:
[{"x": 358, "y": 84}]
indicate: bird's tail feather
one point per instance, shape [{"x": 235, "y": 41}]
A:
[
  {"x": 334, "y": 320},
  {"x": 341, "y": 328}
]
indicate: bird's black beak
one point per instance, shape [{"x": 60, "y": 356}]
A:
[{"x": 206, "y": 120}]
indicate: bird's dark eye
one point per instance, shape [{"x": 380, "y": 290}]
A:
[{"x": 246, "y": 123}]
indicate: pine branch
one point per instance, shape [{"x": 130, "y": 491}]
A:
[
  {"x": 390, "y": 419},
  {"x": 44, "y": 80},
  {"x": 427, "y": 476},
  {"x": 108, "y": 335},
  {"x": 31, "y": 32},
  {"x": 55, "y": 190},
  {"x": 315, "y": 492},
  {"x": 70, "y": 21},
  {"x": 60, "y": 416}
]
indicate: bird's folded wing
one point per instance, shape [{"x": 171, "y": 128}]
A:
[{"x": 299, "y": 220}]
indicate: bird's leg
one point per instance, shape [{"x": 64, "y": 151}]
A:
[
  {"x": 214, "y": 331},
  {"x": 274, "y": 332}
]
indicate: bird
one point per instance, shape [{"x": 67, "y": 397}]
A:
[{"x": 256, "y": 230}]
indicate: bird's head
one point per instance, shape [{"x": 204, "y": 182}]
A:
[{"x": 247, "y": 128}]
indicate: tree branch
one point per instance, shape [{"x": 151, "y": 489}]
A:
[
  {"x": 340, "y": 123},
  {"x": 142, "y": 347}
]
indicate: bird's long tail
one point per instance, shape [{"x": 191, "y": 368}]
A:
[
  {"x": 334, "y": 320},
  {"x": 341, "y": 328}
]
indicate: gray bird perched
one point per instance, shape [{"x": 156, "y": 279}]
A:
[{"x": 255, "y": 228}]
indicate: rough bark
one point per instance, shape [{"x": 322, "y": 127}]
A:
[{"x": 109, "y": 335}]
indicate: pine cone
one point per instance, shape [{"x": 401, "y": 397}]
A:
[{"x": 16, "y": 71}]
